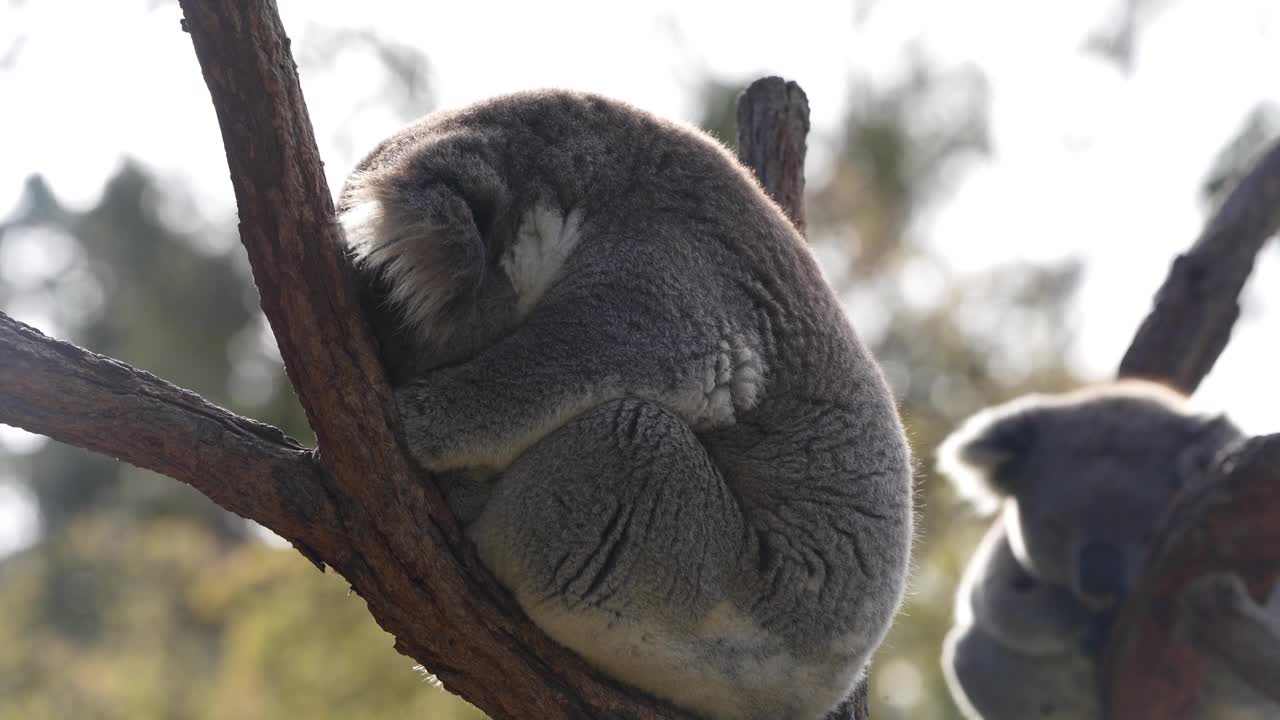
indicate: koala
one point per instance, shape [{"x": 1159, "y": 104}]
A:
[
  {"x": 1081, "y": 480},
  {"x": 640, "y": 397}
]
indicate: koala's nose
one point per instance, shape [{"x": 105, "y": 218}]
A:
[{"x": 1101, "y": 569}]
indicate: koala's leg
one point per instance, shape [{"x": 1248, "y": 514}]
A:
[
  {"x": 619, "y": 537},
  {"x": 990, "y": 681}
]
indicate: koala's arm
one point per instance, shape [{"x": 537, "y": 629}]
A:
[
  {"x": 990, "y": 681},
  {"x": 1020, "y": 610},
  {"x": 1220, "y": 618},
  {"x": 560, "y": 362}
]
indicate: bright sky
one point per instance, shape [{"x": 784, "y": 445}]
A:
[{"x": 1087, "y": 161}]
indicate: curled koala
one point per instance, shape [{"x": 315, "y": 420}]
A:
[
  {"x": 1080, "y": 480},
  {"x": 643, "y": 401}
]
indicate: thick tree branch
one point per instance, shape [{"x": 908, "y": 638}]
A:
[
  {"x": 773, "y": 123},
  {"x": 56, "y": 389},
  {"x": 1197, "y": 306},
  {"x": 1224, "y": 525}
]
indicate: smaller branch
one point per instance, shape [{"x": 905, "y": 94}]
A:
[
  {"x": 1223, "y": 525},
  {"x": 1197, "y": 306},
  {"x": 773, "y": 122},
  {"x": 56, "y": 389}
]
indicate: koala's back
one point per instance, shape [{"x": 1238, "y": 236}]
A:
[
  {"x": 610, "y": 308},
  {"x": 657, "y": 201}
]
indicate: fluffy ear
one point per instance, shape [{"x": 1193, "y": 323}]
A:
[
  {"x": 1208, "y": 442},
  {"x": 980, "y": 456}
]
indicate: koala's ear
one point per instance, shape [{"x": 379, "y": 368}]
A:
[
  {"x": 980, "y": 458},
  {"x": 1214, "y": 436}
]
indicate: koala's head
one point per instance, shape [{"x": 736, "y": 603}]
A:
[
  {"x": 1083, "y": 477},
  {"x": 426, "y": 218},
  {"x": 459, "y": 223}
]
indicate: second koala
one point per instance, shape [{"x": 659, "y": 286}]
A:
[
  {"x": 644, "y": 401},
  {"x": 1081, "y": 480}
]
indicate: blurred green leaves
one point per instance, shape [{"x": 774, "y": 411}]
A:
[{"x": 159, "y": 619}]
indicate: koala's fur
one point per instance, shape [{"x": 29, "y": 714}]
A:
[
  {"x": 643, "y": 400},
  {"x": 1081, "y": 479}
]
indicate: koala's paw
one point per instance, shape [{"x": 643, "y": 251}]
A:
[
  {"x": 732, "y": 382},
  {"x": 1208, "y": 603},
  {"x": 450, "y": 425}
]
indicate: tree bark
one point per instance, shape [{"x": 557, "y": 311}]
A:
[
  {"x": 1195, "y": 309},
  {"x": 773, "y": 124},
  {"x": 59, "y": 390}
]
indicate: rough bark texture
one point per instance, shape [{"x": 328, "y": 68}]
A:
[
  {"x": 1228, "y": 524},
  {"x": 773, "y": 123},
  {"x": 56, "y": 389},
  {"x": 356, "y": 503},
  {"x": 1196, "y": 308}
]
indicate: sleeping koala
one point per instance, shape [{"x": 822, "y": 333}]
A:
[
  {"x": 1082, "y": 479},
  {"x": 641, "y": 398}
]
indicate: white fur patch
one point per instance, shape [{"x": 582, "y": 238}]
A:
[
  {"x": 543, "y": 242},
  {"x": 403, "y": 248},
  {"x": 680, "y": 666}
]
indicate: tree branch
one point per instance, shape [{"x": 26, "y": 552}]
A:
[
  {"x": 56, "y": 389},
  {"x": 1226, "y": 524},
  {"x": 773, "y": 122},
  {"x": 1197, "y": 306}
]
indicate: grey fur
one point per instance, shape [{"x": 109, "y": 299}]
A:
[
  {"x": 1081, "y": 480},
  {"x": 641, "y": 395}
]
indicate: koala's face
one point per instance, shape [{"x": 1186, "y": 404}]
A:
[
  {"x": 1085, "y": 477},
  {"x": 1081, "y": 511}
]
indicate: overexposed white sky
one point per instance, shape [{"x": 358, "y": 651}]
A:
[{"x": 1087, "y": 161}]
